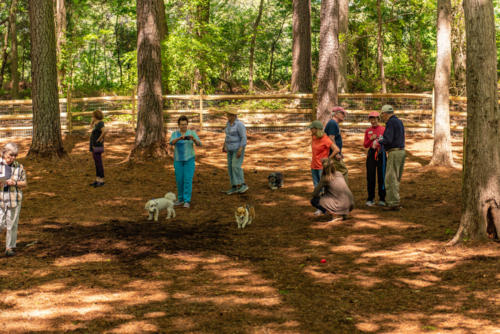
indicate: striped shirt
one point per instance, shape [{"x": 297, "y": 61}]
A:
[
  {"x": 12, "y": 196},
  {"x": 184, "y": 149}
]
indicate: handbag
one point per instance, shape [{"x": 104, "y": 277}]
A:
[{"x": 98, "y": 149}]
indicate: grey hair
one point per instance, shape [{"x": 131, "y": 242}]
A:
[{"x": 10, "y": 147}]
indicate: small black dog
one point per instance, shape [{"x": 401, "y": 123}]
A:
[{"x": 275, "y": 180}]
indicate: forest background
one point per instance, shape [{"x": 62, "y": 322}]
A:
[{"x": 97, "y": 46}]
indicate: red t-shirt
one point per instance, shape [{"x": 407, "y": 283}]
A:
[
  {"x": 378, "y": 130},
  {"x": 320, "y": 150}
]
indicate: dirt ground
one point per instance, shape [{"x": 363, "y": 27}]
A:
[{"x": 88, "y": 261}]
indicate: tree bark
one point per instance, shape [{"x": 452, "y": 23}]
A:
[
  {"x": 252, "y": 46},
  {"x": 61, "y": 25},
  {"x": 14, "y": 74},
  {"x": 380, "y": 49},
  {"x": 343, "y": 33},
  {"x": 458, "y": 47},
  {"x": 150, "y": 132},
  {"x": 273, "y": 49},
  {"x": 328, "y": 59},
  {"x": 5, "y": 54},
  {"x": 442, "y": 155},
  {"x": 301, "y": 47},
  {"x": 202, "y": 18},
  {"x": 46, "y": 139},
  {"x": 163, "y": 28},
  {"x": 481, "y": 183}
]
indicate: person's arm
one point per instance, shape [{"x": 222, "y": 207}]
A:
[
  {"x": 104, "y": 130},
  {"x": 335, "y": 150},
  {"x": 368, "y": 141},
  {"x": 388, "y": 136},
  {"x": 242, "y": 132},
  {"x": 194, "y": 137},
  {"x": 20, "y": 182},
  {"x": 174, "y": 139}
]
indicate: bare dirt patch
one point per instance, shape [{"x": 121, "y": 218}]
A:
[{"x": 88, "y": 260}]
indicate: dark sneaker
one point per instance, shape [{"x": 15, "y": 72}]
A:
[
  {"x": 243, "y": 189},
  {"x": 99, "y": 184},
  {"x": 231, "y": 191},
  {"x": 93, "y": 184},
  {"x": 10, "y": 252}
]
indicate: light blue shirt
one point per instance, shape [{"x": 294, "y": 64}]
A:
[
  {"x": 184, "y": 149},
  {"x": 236, "y": 135}
]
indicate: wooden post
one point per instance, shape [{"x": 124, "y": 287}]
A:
[
  {"x": 433, "y": 109},
  {"x": 313, "y": 106},
  {"x": 69, "y": 115},
  {"x": 201, "y": 110},
  {"x": 134, "y": 116}
]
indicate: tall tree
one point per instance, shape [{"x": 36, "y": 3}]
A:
[
  {"x": 343, "y": 33},
  {"x": 4, "y": 54},
  {"x": 202, "y": 18},
  {"x": 150, "y": 132},
  {"x": 380, "y": 49},
  {"x": 46, "y": 138},
  {"x": 481, "y": 183},
  {"x": 328, "y": 59},
  {"x": 458, "y": 47},
  {"x": 301, "y": 47},
  {"x": 14, "y": 74},
  {"x": 61, "y": 25},
  {"x": 442, "y": 155},
  {"x": 255, "y": 29}
]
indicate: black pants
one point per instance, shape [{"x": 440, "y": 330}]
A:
[
  {"x": 375, "y": 171},
  {"x": 99, "y": 169},
  {"x": 315, "y": 203}
]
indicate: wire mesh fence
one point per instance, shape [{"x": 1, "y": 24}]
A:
[{"x": 260, "y": 113}]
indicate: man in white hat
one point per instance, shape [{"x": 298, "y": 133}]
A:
[{"x": 393, "y": 141}]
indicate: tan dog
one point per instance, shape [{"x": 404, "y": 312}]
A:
[{"x": 244, "y": 215}]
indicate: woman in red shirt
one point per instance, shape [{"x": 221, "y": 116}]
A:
[
  {"x": 320, "y": 145},
  {"x": 375, "y": 161}
]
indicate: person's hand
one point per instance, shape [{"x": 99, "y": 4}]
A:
[
  {"x": 373, "y": 136},
  {"x": 375, "y": 144},
  {"x": 224, "y": 149},
  {"x": 338, "y": 156},
  {"x": 188, "y": 137},
  {"x": 10, "y": 182},
  {"x": 238, "y": 153}
]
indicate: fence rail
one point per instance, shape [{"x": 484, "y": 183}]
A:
[{"x": 266, "y": 111}]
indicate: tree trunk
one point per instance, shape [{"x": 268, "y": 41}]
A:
[
  {"x": 5, "y": 54},
  {"x": 163, "y": 28},
  {"x": 458, "y": 47},
  {"x": 118, "y": 49},
  {"x": 380, "y": 49},
  {"x": 481, "y": 183},
  {"x": 150, "y": 133},
  {"x": 46, "y": 138},
  {"x": 202, "y": 16},
  {"x": 273, "y": 49},
  {"x": 252, "y": 46},
  {"x": 301, "y": 47},
  {"x": 61, "y": 25},
  {"x": 328, "y": 59},
  {"x": 442, "y": 155},
  {"x": 343, "y": 33},
  {"x": 14, "y": 74}
]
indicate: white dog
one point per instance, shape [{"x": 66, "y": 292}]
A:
[{"x": 155, "y": 205}]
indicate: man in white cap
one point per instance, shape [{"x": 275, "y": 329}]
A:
[
  {"x": 393, "y": 141},
  {"x": 332, "y": 129}
]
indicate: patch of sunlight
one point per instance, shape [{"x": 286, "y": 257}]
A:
[
  {"x": 236, "y": 300},
  {"x": 416, "y": 283},
  {"x": 367, "y": 281},
  {"x": 42, "y": 194},
  {"x": 412, "y": 164},
  {"x": 490, "y": 296},
  {"x": 187, "y": 257},
  {"x": 327, "y": 225},
  {"x": 347, "y": 248},
  {"x": 90, "y": 257},
  {"x": 378, "y": 224},
  {"x": 321, "y": 276},
  {"x": 183, "y": 324},
  {"x": 318, "y": 243},
  {"x": 155, "y": 314},
  {"x": 367, "y": 327},
  {"x": 36, "y": 309},
  {"x": 134, "y": 327}
]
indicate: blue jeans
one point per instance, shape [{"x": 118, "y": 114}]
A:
[
  {"x": 316, "y": 174},
  {"x": 236, "y": 175},
  {"x": 184, "y": 172}
]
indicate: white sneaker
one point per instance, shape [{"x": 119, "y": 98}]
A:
[
  {"x": 370, "y": 203},
  {"x": 177, "y": 203},
  {"x": 318, "y": 212},
  {"x": 187, "y": 205},
  {"x": 381, "y": 203}
]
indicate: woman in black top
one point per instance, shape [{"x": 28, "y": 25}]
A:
[{"x": 97, "y": 146}]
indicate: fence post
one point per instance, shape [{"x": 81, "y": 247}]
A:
[
  {"x": 134, "y": 118},
  {"x": 433, "y": 109},
  {"x": 313, "y": 106},
  {"x": 69, "y": 115},
  {"x": 201, "y": 110}
]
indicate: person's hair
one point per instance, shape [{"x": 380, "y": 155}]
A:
[
  {"x": 98, "y": 115},
  {"x": 10, "y": 147},
  {"x": 328, "y": 168},
  {"x": 319, "y": 133},
  {"x": 182, "y": 118}
]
